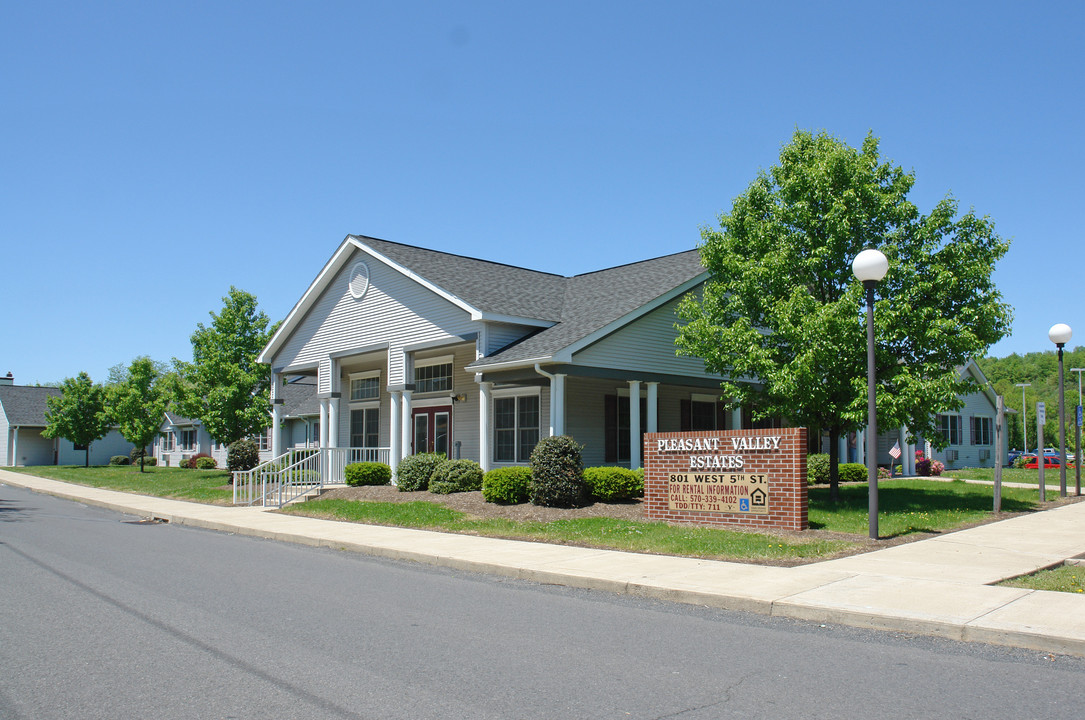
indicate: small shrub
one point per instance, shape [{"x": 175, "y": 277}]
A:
[
  {"x": 456, "y": 476},
  {"x": 883, "y": 473},
  {"x": 852, "y": 472},
  {"x": 204, "y": 462},
  {"x": 817, "y": 469},
  {"x": 135, "y": 454},
  {"x": 193, "y": 462},
  {"x": 1019, "y": 462},
  {"x": 557, "y": 470},
  {"x": 613, "y": 484},
  {"x": 243, "y": 454},
  {"x": 507, "y": 485},
  {"x": 937, "y": 467},
  {"x": 367, "y": 473},
  {"x": 414, "y": 472},
  {"x": 150, "y": 461},
  {"x": 118, "y": 460}
]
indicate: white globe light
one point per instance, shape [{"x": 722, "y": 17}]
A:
[
  {"x": 1060, "y": 333},
  {"x": 870, "y": 264}
]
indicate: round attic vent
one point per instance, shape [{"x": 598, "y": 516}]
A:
[{"x": 359, "y": 280}]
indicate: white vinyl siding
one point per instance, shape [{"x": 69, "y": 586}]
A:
[
  {"x": 501, "y": 334},
  {"x": 396, "y": 311},
  {"x": 646, "y": 344}
]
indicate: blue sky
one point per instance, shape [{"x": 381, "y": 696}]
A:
[{"x": 155, "y": 154}]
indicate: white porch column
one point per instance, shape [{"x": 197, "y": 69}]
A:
[
  {"x": 323, "y": 423},
  {"x": 860, "y": 447},
  {"x": 634, "y": 425},
  {"x": 277, "y": 428},
  {"x": 333, "y": 421},
  {"x": 405, "y": 426},
  {"x": 395, "y": 433},
  {"x": 557, "y": 405},
  {"x": 485, "y": 403},
  {"x": 15, "y": 447},
  {"x": 842, "y": 450},
  {"x": 652, "y": 422},
  {"x": 736, "y": 418}
]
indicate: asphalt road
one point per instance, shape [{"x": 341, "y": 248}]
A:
[{"x": 102, "y": 616}]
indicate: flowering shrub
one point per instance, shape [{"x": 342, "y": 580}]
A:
[
  {"x": 883, "y": 473},
  {"x": 927, "y": 466}
]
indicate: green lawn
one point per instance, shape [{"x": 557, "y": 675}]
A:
[
  {"x": 205, "y": 486},
  {"x": 913, "y": 506},
  {"x": 638, "y": 536}
]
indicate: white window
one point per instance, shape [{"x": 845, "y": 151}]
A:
[
  {"x": 365, "y": 427},
  {"x": 982, "y": 431},
  {"x": 167, "y": 442},
  {"x": 263, "y": 440},
  {"x": 516, "y": 428},
  {"x": 188, "y": 439},
  {"x": 951, "y": 428},
  {"x": 365, "y": 386},
  {"x": 433, "y": 375}
]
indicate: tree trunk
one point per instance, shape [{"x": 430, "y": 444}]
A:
[
  {"x": 834, "y": 461},
  {"x": 86, "y": 456}
]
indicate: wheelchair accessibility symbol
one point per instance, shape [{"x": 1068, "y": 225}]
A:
[{"x": 744, "y": 505}]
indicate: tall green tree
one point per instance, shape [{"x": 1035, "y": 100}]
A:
[
  {"x": 782, "y": 314},
  {"x": 79, "y": 415},
  {"x": 224, "y": 386},
  {"x": 137, "y": 402}
]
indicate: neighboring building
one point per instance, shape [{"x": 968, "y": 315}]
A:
[
  {"x": 22, "y": 419},
  {"x": 970, "y": 432},
  {"x": 180, "y": 438},
  {"x": 415, "y": 350}
]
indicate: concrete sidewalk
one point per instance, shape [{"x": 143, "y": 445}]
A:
[{"x": 939, "y": 586}]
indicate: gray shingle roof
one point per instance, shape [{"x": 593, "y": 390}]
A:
[
  {"x": 578, "y": 305},
  {"x": 594, "y": 300},
  {"x": 175, "y": 419},
  {"x": 25, "y": 405},
  {"x": 299, "y": 398},
  {"x": 489, "y": 286}
]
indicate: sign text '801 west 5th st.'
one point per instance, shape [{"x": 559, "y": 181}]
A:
[{"x": 750, "y": 478}]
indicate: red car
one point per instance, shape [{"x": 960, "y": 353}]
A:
[{"x": 1050, "y": 461}]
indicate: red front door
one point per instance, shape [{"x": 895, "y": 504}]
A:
[{"x": 432, "y": 429}]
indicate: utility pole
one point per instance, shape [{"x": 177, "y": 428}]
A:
[{"x": 1024, "y": 419}]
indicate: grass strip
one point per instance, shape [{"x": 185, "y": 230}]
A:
[
  {"x": 1065, "y": 578},
  {"x": 610, "y": 533},
  {"x": 205, "y": 486}
]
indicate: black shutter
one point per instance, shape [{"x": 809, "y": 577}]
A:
[{"x": 687, "y": 416}]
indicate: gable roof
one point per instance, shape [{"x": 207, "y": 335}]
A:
[
  {"x": 597, "y": 303},
  {"x": 568, "y": 310},
  {"x": 26, "y": 405}
]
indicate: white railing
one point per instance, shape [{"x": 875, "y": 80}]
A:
[{"x": 299, "y": 471}]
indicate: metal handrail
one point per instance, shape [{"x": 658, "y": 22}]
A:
[{"x": 276, "y": 484}]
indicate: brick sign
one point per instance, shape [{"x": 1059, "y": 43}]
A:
[{"x": 743, "y": 478}]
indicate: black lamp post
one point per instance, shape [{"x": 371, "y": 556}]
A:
[
  {"x": 1060, "y": 335},
  {"x": 869, "y": 267}
]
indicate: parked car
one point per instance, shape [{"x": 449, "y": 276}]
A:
[{"x": 1031, "y": 463}]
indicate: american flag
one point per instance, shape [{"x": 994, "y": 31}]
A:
[{"x": 895, "y": 450}]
